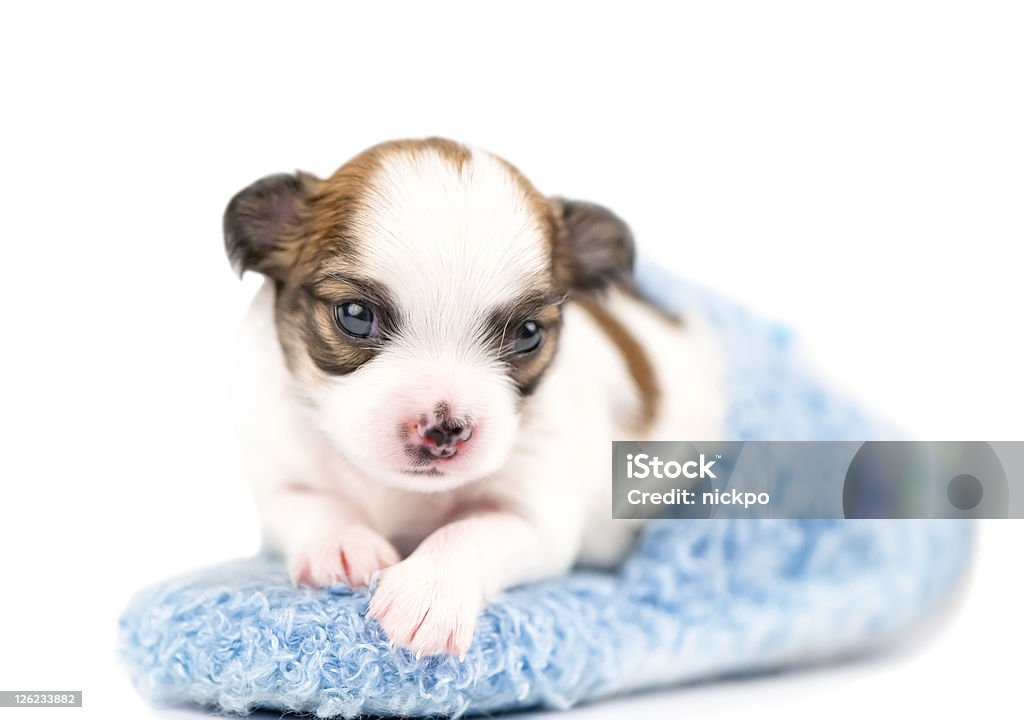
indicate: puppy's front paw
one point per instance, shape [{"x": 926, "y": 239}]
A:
[
  {"x": 426, "y": 610},
  {"x": 353, "y": 556}
]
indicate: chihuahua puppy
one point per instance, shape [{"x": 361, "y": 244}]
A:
[{"x": 432, "y": 375}]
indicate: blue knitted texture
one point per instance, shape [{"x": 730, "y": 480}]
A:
[{"x": 695, "y": 600}]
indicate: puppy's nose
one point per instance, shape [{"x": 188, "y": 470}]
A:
[{"x": 442, "y": 439}]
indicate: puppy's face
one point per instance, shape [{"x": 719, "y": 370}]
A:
[{"x": 419, "y": 294}]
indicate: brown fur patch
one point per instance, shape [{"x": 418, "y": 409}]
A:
[
  {"x": 639, "y": 365},
  {"x": 325, "y": 232},
  {"x": 526, "y": 369},
  {"x": 305, "y": 317}
]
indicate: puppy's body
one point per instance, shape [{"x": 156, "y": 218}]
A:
[{"x": 452, "y": 437}]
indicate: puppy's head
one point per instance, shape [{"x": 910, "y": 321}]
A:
[{"x": 418, "y": 299}]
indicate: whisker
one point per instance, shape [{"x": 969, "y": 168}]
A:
[{"x": 501, "y": 343}]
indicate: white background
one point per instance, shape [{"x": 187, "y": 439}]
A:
[{"x": 854, "y": 169}]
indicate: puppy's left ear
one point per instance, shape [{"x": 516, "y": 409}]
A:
[{"x": 594, "y": 247}]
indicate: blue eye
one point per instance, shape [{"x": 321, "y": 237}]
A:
[
  {"x": 528, "y": 337},
  {"x": 356, "y": 319}
]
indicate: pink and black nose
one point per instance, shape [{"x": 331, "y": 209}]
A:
[{"x": 443, "y": 439}]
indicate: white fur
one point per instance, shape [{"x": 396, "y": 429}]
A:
[{"x": 534, "y": 494}]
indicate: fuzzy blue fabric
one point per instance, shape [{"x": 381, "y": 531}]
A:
[{"x": 696, "y": 599}]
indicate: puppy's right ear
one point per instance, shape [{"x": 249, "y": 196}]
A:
[{"x": 262, "y": 223}]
